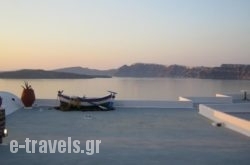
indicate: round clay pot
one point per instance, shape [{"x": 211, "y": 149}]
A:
[{"x": 28, "y": 97}]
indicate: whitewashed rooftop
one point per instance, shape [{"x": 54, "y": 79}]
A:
[{"x": 129, "y": 136}]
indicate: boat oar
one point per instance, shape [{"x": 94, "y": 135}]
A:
[{"x": 114, "y": 93}]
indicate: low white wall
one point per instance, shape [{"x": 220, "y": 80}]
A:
[
  {"x": 234, "y": 123},
  {"x": 207, "y": 100},
  {"x": 221, "y": 95},
  {"x": 235, "y": 96},
  {"x": 233, "y": 107},
  {"x": 11, "y": 102},
  {"x": 238, "y": 96},
  {"x": 224, "y": 96},
  {"x": 207, "y": 112},
  {"x": 152, "y": 104},
  {"x": 183, "y": 98}
]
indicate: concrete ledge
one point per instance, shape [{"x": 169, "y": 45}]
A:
[
  {"x": 219, "y": 113},
  {"x": 46, "y": 102},
  {"x": 152, "y": 104}
]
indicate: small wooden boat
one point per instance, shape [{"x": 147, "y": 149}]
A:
[{"x": 84, "y": 103}]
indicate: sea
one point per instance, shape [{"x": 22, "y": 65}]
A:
[{"x": 127, "y": 88}]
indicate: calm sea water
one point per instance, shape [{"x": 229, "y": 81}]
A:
[{"x": 127, "y": 88}]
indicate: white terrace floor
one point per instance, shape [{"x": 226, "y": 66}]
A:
[{"x": 128, "y": 136}]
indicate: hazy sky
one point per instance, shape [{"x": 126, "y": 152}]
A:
[{"x": 106, "y": 34}]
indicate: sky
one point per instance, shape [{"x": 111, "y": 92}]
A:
[{"x": 106, "y": 34}]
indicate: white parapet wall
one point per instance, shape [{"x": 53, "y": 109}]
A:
[
  {"x": 236, "y": 96},
  {"x": 232, "y": 107},
  {"x": 224, "y": 96},
  {"x": 224, "y": 114},
  {"x": 11, "y": 102},
  {"x": 208, "y": 112},
  {"x": 184, "y": 99},
  {"x": 207, "y": 100},
  {"x": 152, "y": 104}
]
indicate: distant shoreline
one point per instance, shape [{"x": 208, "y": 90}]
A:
[
  {"x": 42, "y": 74},
  {"x": 138, "y": 70}
]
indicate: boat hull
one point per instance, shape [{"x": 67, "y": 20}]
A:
[{"x": 83, "y": 103}]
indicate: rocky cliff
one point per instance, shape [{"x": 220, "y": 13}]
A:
[{"x": 225, "y": 71}]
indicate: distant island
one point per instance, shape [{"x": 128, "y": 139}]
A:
[
  {"x": 225, "y": 71},
  {"x": 87, "y": 71},
  {"x": 42, "y": 74}
]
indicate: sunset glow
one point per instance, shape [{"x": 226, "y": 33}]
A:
[{"x": 105, "y": 34}]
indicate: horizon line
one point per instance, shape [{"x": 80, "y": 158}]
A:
[{"x": 120, "y": 66}]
